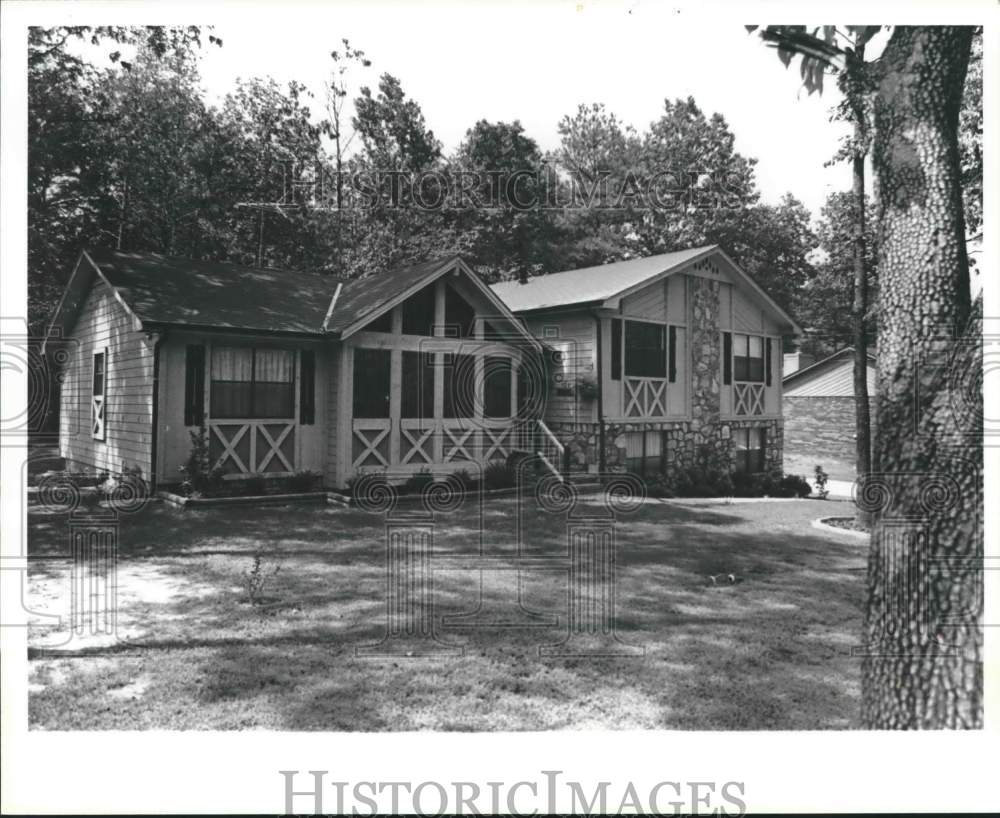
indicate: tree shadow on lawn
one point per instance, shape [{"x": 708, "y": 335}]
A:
[{"x": 771, "y": 651}]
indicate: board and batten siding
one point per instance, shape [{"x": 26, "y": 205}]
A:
[
  {"x": 105, "y": 325},
  {"x": 574, "y": 335}
]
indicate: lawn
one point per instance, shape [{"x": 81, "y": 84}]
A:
[{"x": 770, "y": 651}]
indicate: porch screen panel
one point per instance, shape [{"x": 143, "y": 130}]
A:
[
  {"x": 645, "y": 350},
  {"x": 418, "y": 312},
  {"x": 460, "y": 387},
  {"x": 496, "y": 386},
  {"x": 232, "y": 382},
  {"x": 417, "y": 400},
  {"x": 459, "y": 315},
  {"x": 273, "y": 385},
  {"x": 371, "y": 383}
]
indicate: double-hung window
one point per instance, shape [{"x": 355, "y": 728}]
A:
[
  {"x": 748, "y": 358},
  {"x": 251, "y": 382},
  {"x": 749, "y": 445},
  {"x": 645, "y": 350}
]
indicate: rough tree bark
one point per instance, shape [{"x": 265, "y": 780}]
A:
[
  {"x": 856, "y": 87},
  {"x": 922, "y": 666}
]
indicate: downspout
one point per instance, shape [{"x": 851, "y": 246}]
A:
[{"x": 601, "y": 464}]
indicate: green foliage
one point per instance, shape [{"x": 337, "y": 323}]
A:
[
  {"x": 417, "y": 482},
  {"x": 500, "y": 474},
  {"x": 305, "y": 480},
  {"x": 257, "y": 578},
  {"x": 201, "y": 476},
  {"x": 821, "y": 478}
]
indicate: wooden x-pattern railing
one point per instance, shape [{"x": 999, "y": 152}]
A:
[
  {"x": 263, "y": 447},
  {"x": 645, "y": 397},
  {"x": 497, "y": 442},
  {"x": 459, "y": 442},
  {"x": 418, "y": 441},
  {"x": 749, "y": 399},
  {"x": 370, "y": 435}
]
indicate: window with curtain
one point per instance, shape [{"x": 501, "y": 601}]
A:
[
  {"x": 496, "y": 386},
  {"x": 371, "y": 382},
  {"x": 248, "y": 382},
  {"x": 748, "y": 358},
  {"x": 749, "y": 449},
  {"x": 645, "y": 350}
]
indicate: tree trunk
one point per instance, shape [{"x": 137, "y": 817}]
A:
[
  {"x": 922, "y": 664},
  {"x": 857, "y": 88}
]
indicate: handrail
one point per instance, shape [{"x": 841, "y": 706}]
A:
[{"x": 550, "y": 442}]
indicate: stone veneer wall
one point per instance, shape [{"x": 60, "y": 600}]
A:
[{"x": 704, "y": 440}]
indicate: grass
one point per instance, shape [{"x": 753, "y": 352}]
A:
[{"x": 771, "y": 651}]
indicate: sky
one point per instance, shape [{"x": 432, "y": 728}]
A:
[{"x": 462, "y": 63}]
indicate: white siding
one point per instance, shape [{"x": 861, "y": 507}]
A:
[
  {"x": 836, "y": 381},
  {"x": 575, "y": 334},
  {"x": 104, "y": 324}
]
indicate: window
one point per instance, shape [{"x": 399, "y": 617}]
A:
[
  {"x": 252, "y": 383},
  {"x": 645, "y": 350},
  {"x": 97, "y": 397},
  {"x": 748, "y": 358},
  {"x": 749, "y": 449},
  {"x": 418, "y": 312},
  {"x": 418, "y": 385},
  {"x": 768, "y": 357},
  {"x": 459, "y": 316},
  {"x": 616, "y": 349},
  {"x": 459, "y": 386},
  {"x": 371, "y": 383},
  {"x": 496, "y": 386}
]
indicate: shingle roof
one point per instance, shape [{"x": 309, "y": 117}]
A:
[
  {"x": 182, "y": 292},
  {"x": 589, "y": 283}
]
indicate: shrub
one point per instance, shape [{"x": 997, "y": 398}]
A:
[
  {"x": 466, "y": 479},
  {"x": 200, "y": 475},
  {"x": 500, "y": 474},
  {"x": 701, "y": 481},
  {"x": 821, "y": 479},
  {"x": 305, "y": 480},
  {"x": 415, "y": 483},
  {"x": 659, "y": 486},
  {"x": 794, "y": 485},
  {"x": 254, "y": 485}
]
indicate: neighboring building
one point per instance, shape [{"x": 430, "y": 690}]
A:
[
  {"x": 676, "y": 356},
  {"x": 794, "y": 361},
  {"x": 820, "y": 408},
  {"x": 287, "y": 371}
]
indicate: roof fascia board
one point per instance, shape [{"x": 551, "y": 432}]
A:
[
  {"x": 614, "y": 301},
  {"x": 57, "y": 316},
  {"x": 756, "y": 288},
  {"x": 399, "y": 298},
  {"x": 498, "y": 302},
  {"x": 136, "y": 320}
]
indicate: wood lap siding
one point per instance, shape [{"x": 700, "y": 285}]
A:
[
  {"x": 579, "y": 331},
  {"x": 104, "y": 323}
]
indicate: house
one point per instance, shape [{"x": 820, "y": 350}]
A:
[
  {"x": 660, "y": 362},
  {"x": 668, "y": 359},
  {"x": 416, "y": 368},
  {"x": 820, "y": 411}
]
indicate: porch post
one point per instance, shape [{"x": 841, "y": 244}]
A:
[{"x": 439, "y": 375}]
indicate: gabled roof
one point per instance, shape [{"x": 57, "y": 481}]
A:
[
  {"x": 605, "y": 284},
  {"x": 591, "y": 283},
  {"x": 824, "y": 365},
  {"x": 162, "y": 291}
]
